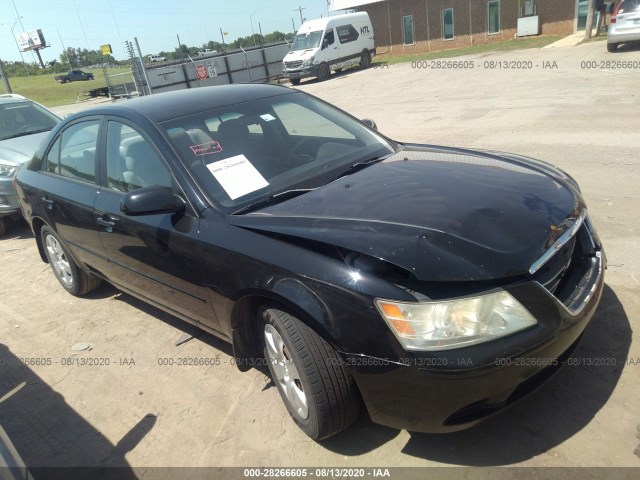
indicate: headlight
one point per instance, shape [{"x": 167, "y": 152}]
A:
[
  {"x": 7, "y": 169},
  {"x": 309, "y": 61},
  {"x": 453, "y": 324}
]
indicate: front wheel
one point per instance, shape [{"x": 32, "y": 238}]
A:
[
  {"x": 323, "y": 72},
  {"x": 318, "y": 391},
  {"x": 71, "y": 277},
  {"x": 66, "y": 80}
]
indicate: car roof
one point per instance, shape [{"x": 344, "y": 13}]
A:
[{"x": 169, "y": 105}]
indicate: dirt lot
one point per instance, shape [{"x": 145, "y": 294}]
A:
[{"x": 134, "y": 409}]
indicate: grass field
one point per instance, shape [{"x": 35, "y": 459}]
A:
[{"x": 45, "y": 90}]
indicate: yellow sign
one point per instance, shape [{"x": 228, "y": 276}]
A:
[
  {"x": 226, "y": 33},
  {"x": 106, "y": 49}
]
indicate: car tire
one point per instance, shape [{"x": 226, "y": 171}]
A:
[
  {"x": 74, "y": 280},
  {"x": 612, "y": 47},
  {"x": 3, "y": 227},
  {"x": 66, "y": 80},
  {"x": 323, "y": 72},
  {"x": 319, "y": 393},
  {"x": 294, "y": 81},
  {"x": 365, "y": 60}
]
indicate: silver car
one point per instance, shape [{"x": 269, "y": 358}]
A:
[
  {"x": 624, "y": 25},
  {"x": 23, "y": 125}
]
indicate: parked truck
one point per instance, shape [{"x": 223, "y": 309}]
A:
[{"x": 73, "y": 76}]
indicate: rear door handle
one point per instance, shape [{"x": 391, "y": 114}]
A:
[{"x": 48, "y": 202}]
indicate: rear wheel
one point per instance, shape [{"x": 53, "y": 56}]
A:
[
  {"x": 365, "y": 60},
  {"x": 3, "y": 226},
  {"x": 66, "y": 80},
  {"x": 294, "y": 81},
  {"x": 612, "y": 47},
  {"x": 71, "y": 277},
  {"x": 323, "y": 72},
  {"x": 318, "y": 391}
]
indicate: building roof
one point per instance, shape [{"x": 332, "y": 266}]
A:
[{"x": 346, "y": 4}]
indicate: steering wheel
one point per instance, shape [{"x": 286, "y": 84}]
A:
[{"x": 295, "y": 154}]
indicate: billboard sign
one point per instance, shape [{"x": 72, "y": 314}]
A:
[{"x": 32, "y": 40}]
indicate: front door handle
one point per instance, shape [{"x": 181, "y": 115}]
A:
[
  {"x": 48, "y": 202},
  {"x": 107, "y": 221}
]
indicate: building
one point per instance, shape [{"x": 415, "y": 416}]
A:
[{"x": 415, "y": 26}]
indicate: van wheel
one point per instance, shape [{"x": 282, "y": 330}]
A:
[
  {"x": 365, "y": 60},
  {"x": 71, "y": 277},
  {"x": 612, "y": 47},
  {"x": 323, "y": 72},
  {"x": 318, "y": 391},
  {"x": 294, "y": 81}
]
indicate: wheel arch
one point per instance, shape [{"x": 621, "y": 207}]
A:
[
  {"x": 36, "y": 226},
  {"x": 289, "y": 295}
]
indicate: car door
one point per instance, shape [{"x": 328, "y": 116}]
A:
[
  {"x": 154, "y": 256},
  {"x": 69, "y": 187},
  {"x": 331, "y": 49}
]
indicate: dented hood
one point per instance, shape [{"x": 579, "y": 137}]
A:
[{"x": 441, "y": 214}]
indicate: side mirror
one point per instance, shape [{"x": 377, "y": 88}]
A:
[
  {"x": 369, "y": 123},
  {"x": 151, "y": 201}
]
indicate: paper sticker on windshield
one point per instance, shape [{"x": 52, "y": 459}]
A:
[
  {"x": 267, "y": 117},
  {"x": 206, "y": 148},
  {"x": 237, "y": 175}
]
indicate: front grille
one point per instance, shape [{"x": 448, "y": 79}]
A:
[
  {"x": 296, "y": 64},
  {"x": 564, "y": 273},
  {"x": 551, "y": 274}
]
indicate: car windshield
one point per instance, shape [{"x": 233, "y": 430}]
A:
[
  {"x": 248, "y": 152},
  {"x": 24, "y": 118},
  {"x": 304, "y": 41}
]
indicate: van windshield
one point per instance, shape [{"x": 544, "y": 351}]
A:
[{"x": 304, "y": 41}]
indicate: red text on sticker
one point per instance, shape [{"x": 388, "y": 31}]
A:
[{"x": 206, "y": 148}]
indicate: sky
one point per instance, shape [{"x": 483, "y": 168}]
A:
[{"x": 91, "y": 23}]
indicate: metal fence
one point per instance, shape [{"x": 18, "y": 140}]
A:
[{"x": 258, "y": 64}]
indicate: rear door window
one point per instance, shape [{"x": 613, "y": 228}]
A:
[{"x": 73, "y": 154}]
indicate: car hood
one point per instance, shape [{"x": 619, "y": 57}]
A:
[
  {"x": 441, "y": 214},
  {"x": 20, "y": 149}
]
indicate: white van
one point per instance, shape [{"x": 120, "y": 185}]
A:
[{"x": 330, "y": 43}]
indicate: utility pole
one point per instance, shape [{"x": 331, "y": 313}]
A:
[
  {"x": 4, "y": 78},
  {"x": 293, "y": 25},
  {"x": 222, "y": 35},
  {"x": 300, "y": 9}
]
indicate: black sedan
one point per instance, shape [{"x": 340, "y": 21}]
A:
[{"x": 434, "y": 285}]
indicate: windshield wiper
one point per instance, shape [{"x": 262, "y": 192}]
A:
[
  {"x": 22, "y": 134},
  {"x": 360, "y": 165},
  {"x": 271, "y": 199}
]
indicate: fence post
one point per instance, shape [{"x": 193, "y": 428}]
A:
[
  {"x": 226, "y": 64},
  {"x": 266, "y": 65}
]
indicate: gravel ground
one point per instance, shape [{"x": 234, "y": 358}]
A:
[{"x": 137, "y": 412}]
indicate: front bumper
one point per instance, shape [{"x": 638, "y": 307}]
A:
[
  {"x": 453, "y": 390},
  {"x": 9, "y": 204},
  {"x": 304, "y": 72}
]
